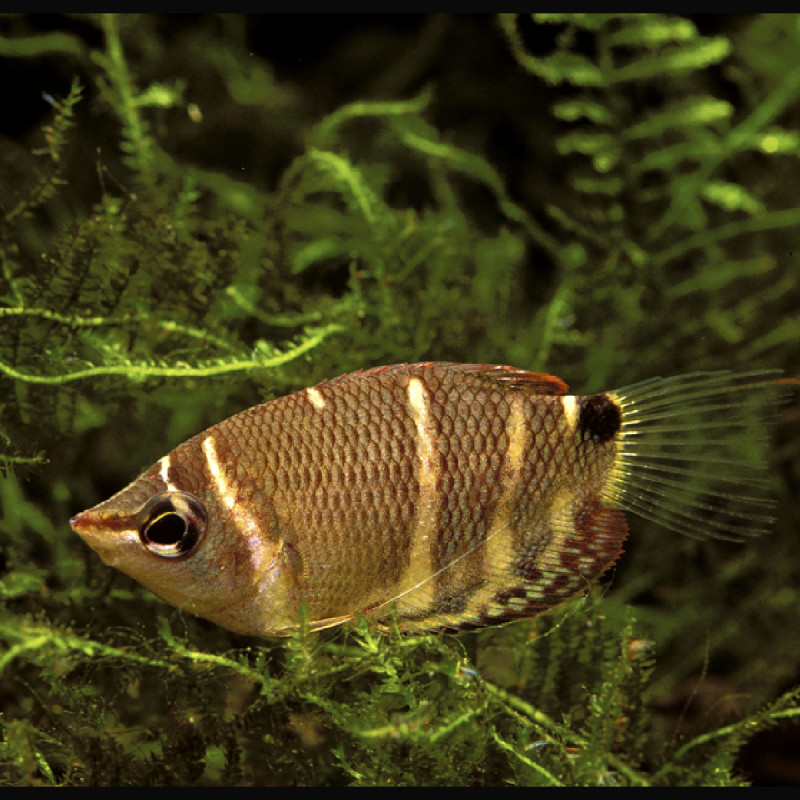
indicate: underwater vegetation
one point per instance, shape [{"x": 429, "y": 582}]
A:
[{"x": 201, "y": 213}]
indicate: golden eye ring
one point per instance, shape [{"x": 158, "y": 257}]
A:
[{"x": 171, "y": 524}]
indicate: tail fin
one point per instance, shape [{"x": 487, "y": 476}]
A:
[{"x": 693, "y": 452}]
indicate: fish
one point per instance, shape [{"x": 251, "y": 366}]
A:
[{"x": 435, "y": 496}]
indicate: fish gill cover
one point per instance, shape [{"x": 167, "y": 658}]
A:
[{"x": 201, "y": 213}]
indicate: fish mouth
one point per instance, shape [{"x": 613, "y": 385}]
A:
[
  {"x": 89, "y": 526},
  {"x": 97, "y": 523},
  {"x": 92, "y": 529},
  {"x": 111, "y": 537},
  {"x": 100, "y": 529},
  {"x": 79, "y": 524}
]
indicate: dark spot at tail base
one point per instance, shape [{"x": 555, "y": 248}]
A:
[{"x": 600, "y": 418}]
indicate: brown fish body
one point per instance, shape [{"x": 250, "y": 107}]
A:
[{"x": 458, "y": 495}]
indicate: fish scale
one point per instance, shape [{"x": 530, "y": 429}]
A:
[
  {"x": 449, "y": 495},
  {"x": 348, "y": 507}
]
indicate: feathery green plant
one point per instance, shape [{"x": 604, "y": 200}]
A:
[
  {"x": 660, "y": 177},
  {"x": 181, "y": 294}
]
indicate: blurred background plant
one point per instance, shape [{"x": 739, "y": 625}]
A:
[{"x": 202, "y": 212}]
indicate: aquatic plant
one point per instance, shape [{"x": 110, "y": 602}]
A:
[{"x": 630, "y": 213}]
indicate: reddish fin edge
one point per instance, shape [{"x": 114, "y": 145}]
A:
[{"x": 506, "y": 376}]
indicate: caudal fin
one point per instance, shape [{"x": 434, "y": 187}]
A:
[{"x": 694, "y": 452}]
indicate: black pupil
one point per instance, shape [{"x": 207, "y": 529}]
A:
[{"x": 167, "y": 529}]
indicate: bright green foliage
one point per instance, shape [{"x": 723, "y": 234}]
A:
[
  {"x": 555, "y": 705},
  {"x": 646, "y": 223},
  {"x": 657, "y": 167}
]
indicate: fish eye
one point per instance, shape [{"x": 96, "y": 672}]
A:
[{"x": 171, "y": 524}]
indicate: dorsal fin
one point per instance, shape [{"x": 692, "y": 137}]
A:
[
  {"x": 505, "y": 377},
  {"x": 515, "y": 378}
]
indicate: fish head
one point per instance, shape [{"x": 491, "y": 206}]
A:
[{"x": 200, "y": 539}]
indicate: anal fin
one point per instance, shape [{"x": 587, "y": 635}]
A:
[{"x": 562, "y": 558}]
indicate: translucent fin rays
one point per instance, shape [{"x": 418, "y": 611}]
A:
[{"x": 693, "y": 452}]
